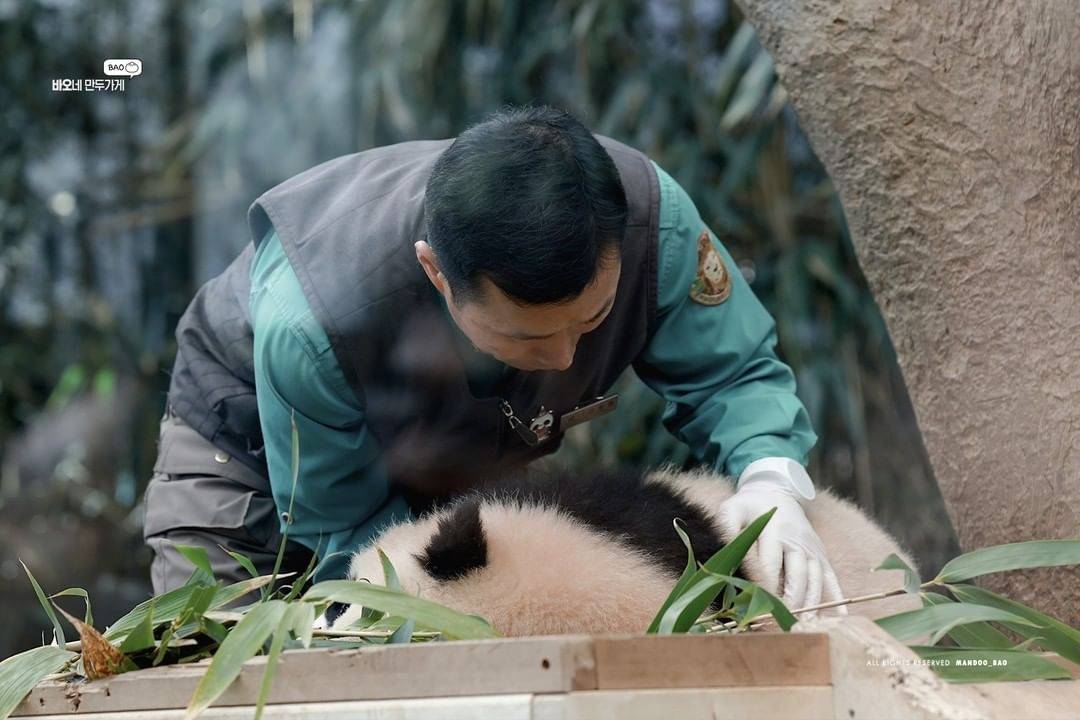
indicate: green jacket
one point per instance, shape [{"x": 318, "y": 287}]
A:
[{"x": 729, "y": 397}]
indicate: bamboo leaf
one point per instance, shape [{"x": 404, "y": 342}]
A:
[
  {"x": 288, "y": 620},
  {"x": 214, "y": 630},
  {"x": 167, "y": 606},
  {"x": 142, "y": 635},
  {"x": 965, "y": 665},
  {"x": 940, "y": 619},
  {"x": 678, "y": 620},
  {"x": 162, "y": 609},
  {"x": 88, "y": 618},
  {"x": 684, "y": 611},
  {"x": 58, "y": 630},
  {"x": 198, "y": 557},
  {"x": 403, "y": 634},
  {"x": 726, "y": 73},
  {"x": 741, "y": 600},
  {"x": 780, "y": 612},
  {"x": 971, "y": 635},
  {"x": 684, "y": 580},
  {"x": 1014, "y": 556},
  {"x": 751, "y": 90},
  {"x": 20, "y": 673},
  {"x": 241, "y": 644},
  {"x": 187, "y": 621},
  {"x": 389, "y": 572},
  {"x": 231, "y": 593},
  {"x": 722, "y": 563},
  {"x": 303, "y": 616},
  {"x": 691, "y": 561},
  {"x": 390, "y": 623},
  {"x": 297, "y": 586},
  {"x": 911, "y": 578},
  {"x": 243, "y": 560},
  {"x": 190, "y": 620},
  {"x": 1026, "y": 645},
  {"x": 758, "y": 605},
  {"x": 452, "y": 624},
  {"x": 731, "y": 595},
  {"x": 368, "y": 617},
  {"x": 1056, "y": 635}
]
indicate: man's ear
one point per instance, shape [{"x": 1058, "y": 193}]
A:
[{"x": 430, "y": 263}]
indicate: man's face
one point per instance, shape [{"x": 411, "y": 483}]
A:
[{"x": 528, "y": 337}]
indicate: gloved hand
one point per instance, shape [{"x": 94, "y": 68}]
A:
[{"x": 788, "y": 545}]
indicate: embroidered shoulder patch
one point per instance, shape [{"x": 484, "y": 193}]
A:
[{"x": 713, "y": 283}]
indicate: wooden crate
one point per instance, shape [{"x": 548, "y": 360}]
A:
[{"x": 832, "y": 669}]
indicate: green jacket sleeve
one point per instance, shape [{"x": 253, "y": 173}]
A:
[
  {"x": 729, "y": 397},
  {"x": 342, "y": 497}
]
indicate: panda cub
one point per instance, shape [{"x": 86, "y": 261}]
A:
[{"x": 544, "y": 554}]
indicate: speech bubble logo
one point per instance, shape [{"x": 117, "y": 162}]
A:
[{"x": 123, "y": 67}]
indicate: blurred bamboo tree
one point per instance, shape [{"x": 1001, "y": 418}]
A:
[{"x": 115, "y": 206}]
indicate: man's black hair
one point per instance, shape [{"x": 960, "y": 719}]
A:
[{"x": 529, "y": 199}]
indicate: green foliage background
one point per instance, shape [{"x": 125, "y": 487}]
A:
[{"x": 114, "y": 207}]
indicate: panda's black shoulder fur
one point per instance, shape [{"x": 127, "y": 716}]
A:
[{"x": 620, "y": 505}]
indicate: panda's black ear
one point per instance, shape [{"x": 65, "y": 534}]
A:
[{"x": 458, "y": 545}]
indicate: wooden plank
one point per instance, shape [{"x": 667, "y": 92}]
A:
[
  {"x": 1042, "y": 699},
  {"x": 482, "y": 667},
  {"x": 563, "y": 677},
  {"x": 490, "y": 707},
  {"x": 790, "y": 702},
  {"x": 875, "y": 676},
  {"x": 684, "y": 661},
  {"x": 501, "y": 666}
]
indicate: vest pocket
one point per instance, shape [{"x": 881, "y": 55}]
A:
[
  {"x": 208, "y": 512},
  {"x": 213, "y": 503},
  {"x": 193, "y": 501}
]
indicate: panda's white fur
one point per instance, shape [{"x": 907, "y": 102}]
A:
[{"x": 549, "y": 572}]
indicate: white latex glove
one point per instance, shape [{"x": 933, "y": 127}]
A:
[{"x": 788, "y": 547}]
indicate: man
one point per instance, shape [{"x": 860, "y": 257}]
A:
[{"x": 431, "y": 313}]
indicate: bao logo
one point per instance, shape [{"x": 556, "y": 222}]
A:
[{"x": 124, "y": 67}]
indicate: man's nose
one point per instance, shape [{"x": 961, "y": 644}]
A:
[{"x": 563, "y": 358}]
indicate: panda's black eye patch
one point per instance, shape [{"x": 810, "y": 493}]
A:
[
  {"x": 333, "y": 612},
  {"x": 458, "y": 545}
]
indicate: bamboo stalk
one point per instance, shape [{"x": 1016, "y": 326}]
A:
[
  {"x": 369, "y": 633},
  {"x": 728, "y": 625}
]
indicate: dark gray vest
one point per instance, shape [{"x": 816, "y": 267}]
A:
[{"x": 348, "y": 227}]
